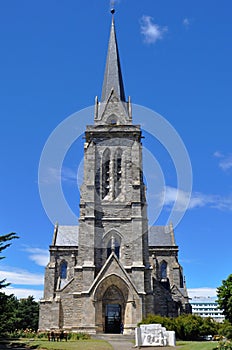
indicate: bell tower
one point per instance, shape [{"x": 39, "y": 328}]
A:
[
  {"x": 113, "y": 209},
  {"x": 110, "y": 269}
]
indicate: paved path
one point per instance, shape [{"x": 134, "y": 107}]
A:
[
  {"x": 125, "y": 342},
  {"x": 118, "y": 341},
  {"x": 122, "y": 345}
]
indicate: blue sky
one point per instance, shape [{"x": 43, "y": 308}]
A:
[{"x": 176, "y": 60}]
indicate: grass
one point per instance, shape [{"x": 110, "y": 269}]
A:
[
  {"x": 94, "y": 344},
  {"x": 188, "y": 345},
  {"x": 71, "y": 345},
  {"x": 103, "y": 345},
  {"x": 91, "y": 344}
]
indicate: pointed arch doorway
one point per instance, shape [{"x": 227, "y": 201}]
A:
[
  {"x": 113, "y": 318},
  {"x": 113, "y": 305}
]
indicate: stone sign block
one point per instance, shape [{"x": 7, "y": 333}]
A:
[{"x": 154, "y": 335}]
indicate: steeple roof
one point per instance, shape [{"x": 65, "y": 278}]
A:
[{"x": 113, "y": 73}]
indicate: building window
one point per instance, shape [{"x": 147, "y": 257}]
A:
[
  {"x": 117, "y": 249},
  {"x": 113, "y": 245},
  {"x": 117, "y": 173},
  {"x": 63, "y": 270},
  {"x": 105, "y": 173},
  {"x": 98, "y": 181},
  {"x": 163, "y": 270},
  {"x": 112, "y": 120},
  {"x": 181, "y": 280}
]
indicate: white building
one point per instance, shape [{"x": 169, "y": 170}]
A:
[{"x": 207, "y": 307}]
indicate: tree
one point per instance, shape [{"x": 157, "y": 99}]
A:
[
  {"x": 209, "y": 327},
  {"x": 224, "y": 294},
  {"x": 3, "y": 245},
  {"x": 18, "y": 314},
  {"x": 188, "y": 326},
  {"x": 27, "y": 314},
  {"x": 225, "y": 329},
  {"x": 8, "y": 307}
]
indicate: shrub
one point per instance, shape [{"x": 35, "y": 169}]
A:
[
  {"x": 166, "y": 322},
  {"x": 28, "y": 333},
  {"x": 224, "y": 345},
  {"x": 21, "y": 333},
  {"x": 186, "y": 326},
  {"x": 42, "y": 335},
  {"x": 225, "y": 330},
  {"x": 79, "y": 336}
]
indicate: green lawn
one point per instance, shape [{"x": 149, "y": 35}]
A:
[
  {"x": 94, "y": 344},
  {"x": 77, "y": 345},
  {"x": 69, "y": 345},
  {"x": 207, "y": 345}
]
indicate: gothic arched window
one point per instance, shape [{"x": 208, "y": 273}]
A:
[
  {"x": 63, "y": 270},
  {"x": 181, "y": 280},
  {"x": 105, "y": 173},
  {"x": 163, "y": 270},
  {"x": 117, "y": 173},
  {"x": 112, "y": 120},
  {"x": 109, "y": 250},
  {"x": 117, "y": 249},
  {"x": 113, "y": 245}
]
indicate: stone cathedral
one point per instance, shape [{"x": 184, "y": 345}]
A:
[{"x": 112, "y": 268}]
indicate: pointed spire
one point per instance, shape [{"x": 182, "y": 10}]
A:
[{"x": 113, "y": 74}]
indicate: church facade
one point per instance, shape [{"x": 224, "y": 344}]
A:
[{"x": 112, "y": 268}]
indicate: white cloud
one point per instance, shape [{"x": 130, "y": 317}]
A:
[
  {"x": 151, "y": 31},
  {"x": 212, "y": 201},
  {"x": 186, "y": 22},
  {"x": 24, "y": 292},
  {"x": 218, "y": 154},
  {"x": 203, "y": 292},
  {"x": 19, "y": 276},
  {"x": 225, "y": 162},
  {"x": 69, "y": 175},
  {"x": 171, "y": 195},
  {"x": 197, "y": 200},
  {"x": 38, "y": 255},
  {"x": 55, "y": 175},
  {"x": 52, "y": 176}
]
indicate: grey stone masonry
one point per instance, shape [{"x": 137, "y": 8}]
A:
[{"x": 111, "y": 269}]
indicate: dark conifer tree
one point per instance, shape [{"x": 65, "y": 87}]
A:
[{"x": 4, "y": 243}]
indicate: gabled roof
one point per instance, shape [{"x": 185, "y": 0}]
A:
[
  {"x": 109, "y": 269},
  {"x": 66, "y": 236},
  {"x": 158, "y": 236},
  {"x": 113, "y": 74},
  {"x": 161, "y": 236},
  {"x": 182, "y": 291}
]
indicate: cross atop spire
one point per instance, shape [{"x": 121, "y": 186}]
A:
[
  {"x": 112, "y": 7},
  {"x": 113, "y": 74}
]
